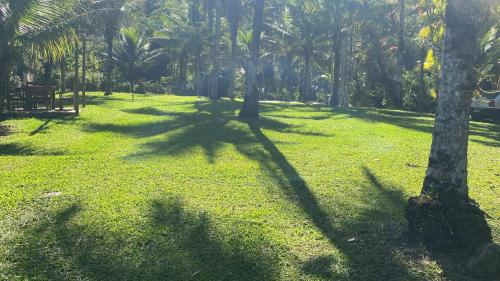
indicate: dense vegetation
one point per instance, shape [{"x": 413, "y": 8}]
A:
[
  {"x": 375, "y": 53},
  {"x": 176, "y": 188}
]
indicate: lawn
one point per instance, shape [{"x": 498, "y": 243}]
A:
[{"x": 176, "y": 188}]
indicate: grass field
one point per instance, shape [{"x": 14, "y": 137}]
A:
[{"x": 176, "y": 188}]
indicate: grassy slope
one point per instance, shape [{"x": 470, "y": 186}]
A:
[{"x": 174, "y": 188}]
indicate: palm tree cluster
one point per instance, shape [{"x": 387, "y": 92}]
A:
[{"x": 376, "y": 53}]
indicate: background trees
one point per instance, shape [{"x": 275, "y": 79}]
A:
[{"x": 374, "y": 53}]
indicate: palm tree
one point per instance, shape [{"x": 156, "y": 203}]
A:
[
  {"x": 233, "y": 17},
  {"x": 132, "y": 54},
  {"x": 250, "y": 107},
  {"x": 112, "y": 19},
  {"x": 445, "y": 186},
  {"x": 39, "y": 27},
  {"x": 182, "y": 32}
]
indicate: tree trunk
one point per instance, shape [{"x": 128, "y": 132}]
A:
[
  {"x": 387, "y": 82},
  {"x": 63, "y": 82},
  {"x": 84, "y": 69},
  {"x": 398, "y": 98},
  {"x": 47, "y": 79},
  {"x": 234, "y": 20},
  {"x": 109, "y": 64},
  {"x": 305, "y": 78},
  {"x": 47, "y": 72},
  {"x": 344, "y": 70},
  {"x": 421, "y": 81},
  {"x": 250, "y": 107},
  {"x": 183, "y": 64},
  {"x": 197, "y": 72},
  {"x": 334, "y": 100},
  {"x": 447, "y": 170},
  {"x": 4, "y": 82},
  {"x": 4, "y": 73},
  {"x": 76, "y": 85},
  {"x": 214, "y": 87}
]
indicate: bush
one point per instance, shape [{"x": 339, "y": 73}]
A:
[{"x": 448, "y": 223}]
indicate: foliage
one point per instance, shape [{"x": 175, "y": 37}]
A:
[{"x": 300, "y": 47}]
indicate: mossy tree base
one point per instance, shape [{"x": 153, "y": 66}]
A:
[{"x": 448, "y": 223}]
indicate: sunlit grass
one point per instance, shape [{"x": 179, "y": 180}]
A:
[{"x": 176, "y": 188}]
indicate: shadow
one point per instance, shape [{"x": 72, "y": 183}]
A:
[
  {"x": 481, "y": 133},
  {"x": 15, "y": 149},
  {"x": 321, "y": 267},
  {"x": 40, "y": 128},
  {"x": 376, "y": 252},
  {"x": 207, "y": 125},
  {"x": 175, "y": 244},
  {"x": 5, "y": 130},
  {"x": 50, "y": 123},
  {"x": 489, "y": 133},
  {"x": 293, "y": 185}
]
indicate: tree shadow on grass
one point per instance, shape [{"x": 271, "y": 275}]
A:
[
  {"x": 209, "y": 126},
  {"x": 373, "y": 255},
  {"x": 424, "y": 123},
  {"x": 176, "y": 244},
  {"x": 5, "y": 130},
  {"x": 420, "y": 122},
  {"x": 47, "y": 124},
  {"x": 16, "y": 149}
]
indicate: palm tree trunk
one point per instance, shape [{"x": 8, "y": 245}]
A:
[
  {"x": 109, "y": 64},
  {"x": 214, "y": 87},
  {"x": 250, "y": 107},
  {"x": 197, "y": 72},
  {"x": 398, "y": 98},
  {"x": 84, "y": 69},
  {"x": 334, "y": 100},
  {"x": 4, "y": 83},
  {"x": 447, "y": 170},
  {"x": 4, "y": 73},
  {"x": 421, "y": 82},
  {"x": 307, "y": 70},
  {"x": 63, "y": 82},
  {"x": 443, "y": 217},
  {"x": 344, "y": 70},
  {"x": 76, "y": 85},
  {"x": 183, "y": 64},
  {"x": 234, "y": 19}
]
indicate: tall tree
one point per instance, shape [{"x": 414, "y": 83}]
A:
[
  {"x": 132, "y": 53},
  {"x": 233, "y": 16},
  {"x": 112, "y": 19},
  {"x": 214, "y": 77},
  {"x": 84, "y": 67},
  {"x": 398, "y": 99},
  {"x": 250, "y": 107},
  {"x": 445, "y": 184},
  {"x": 447, "y": 169},
  {"x": 343, "y": 98}
]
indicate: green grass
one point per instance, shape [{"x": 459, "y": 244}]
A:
[{"x": 176, "y": 188}]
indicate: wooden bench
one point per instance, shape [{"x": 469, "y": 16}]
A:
[{"x": 36, "y": 96}]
